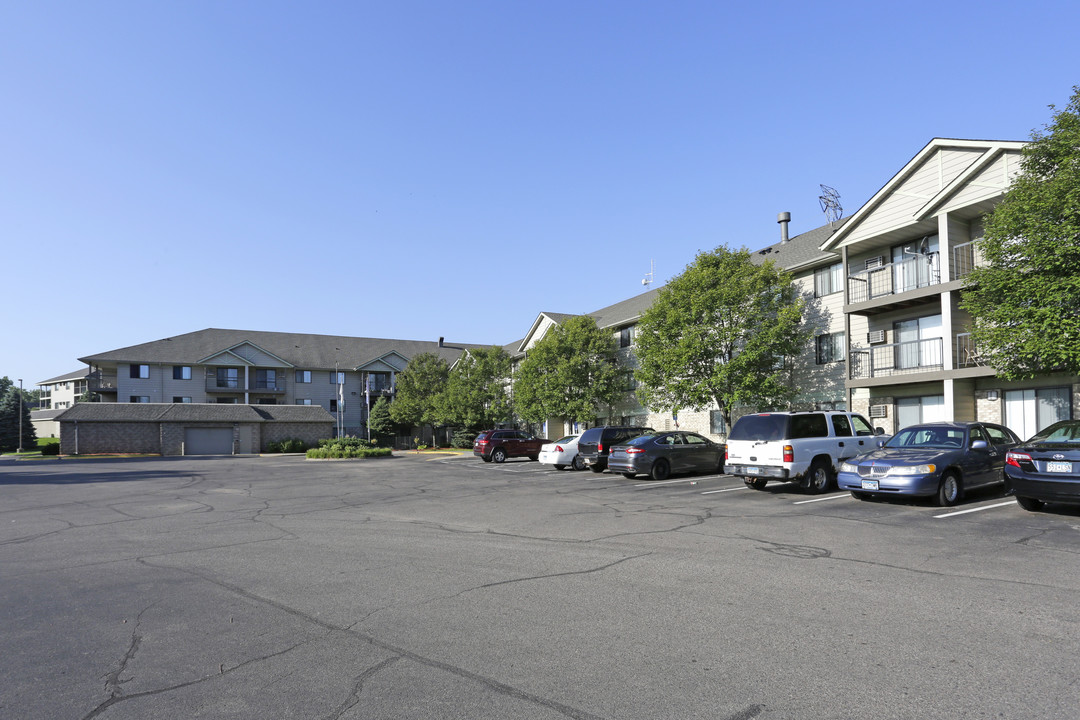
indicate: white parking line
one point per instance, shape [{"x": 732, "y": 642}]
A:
[
  {"x": 821, "y": 499},
  {"x": 669, "y": 482},
  {"x": 713, "y": 492},
  {"x": 971, "y": 510}
]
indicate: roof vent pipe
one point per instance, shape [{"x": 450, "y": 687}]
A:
[
  {"x": 441, "y": 341},
  {"x": 783, "y": 218}
]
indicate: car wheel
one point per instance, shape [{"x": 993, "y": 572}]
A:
[
  {"x": 1030, "y": 504},
  {"x": 578, "y": 463},
  {"x": 820, "y": 478},
  {"x": 629, "y": 475},
  {"x": 596, "y": 468},
  {"x": 660, "y": 470},
  {"x": 534, "y": 458},
  {"x": 560, "y": 467},
  {"x": 756, "y": 483},
  {"x": 860, "y": 495},
  {"x": 498, "y": 455},
  {"x": 950, "y": 490}
]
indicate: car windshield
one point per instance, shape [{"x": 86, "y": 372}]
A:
[
  {"x": 1062, "y": 432},
  {"x": 927, "y": 437},
  {"x": 566, "y": 439},
  {"x": 640, "y": 440},
  {"x": 759, "y": 427}
]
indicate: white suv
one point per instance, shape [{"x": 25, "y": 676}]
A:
[{"x": 803, "y": 446}]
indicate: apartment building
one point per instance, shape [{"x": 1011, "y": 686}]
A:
[
  {"x": 344, "y": 375},
  {"x": 56, "y": 395},
  {"x": 904, "y": 257}
]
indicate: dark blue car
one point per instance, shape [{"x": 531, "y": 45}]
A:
[
  {"x": 939, "y": 460},
  {"x": 1046, "y": 468}
]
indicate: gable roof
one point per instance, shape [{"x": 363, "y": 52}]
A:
[
  {"x": 300, "y": 350},
  {"x": 936, "y": 175},
  {"x": 73, "y": 375},
  {"x": 803, "y": 250},
  {"x": 193, "y": 412}
]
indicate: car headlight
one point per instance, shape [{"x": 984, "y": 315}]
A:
[
  {"x": 912, "y": 470},
  {"x": 848, "y": 467}
]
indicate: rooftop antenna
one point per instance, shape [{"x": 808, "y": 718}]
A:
[
  {"x": 830, "y": 204},
  {"x": 647, "y": 280}
]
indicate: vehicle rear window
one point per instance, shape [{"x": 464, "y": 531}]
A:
[
  {"x": 1063, "y": 432},
  {"x": 808, "y": 426},
  {"x": 640, "y": 440},
  {"x": 759, "y": 428}
]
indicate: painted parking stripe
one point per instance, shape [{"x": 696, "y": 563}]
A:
[
  {"x": 822, "y": 499},
  {"x": 667, "y": 482},
  {"x": 713, "y": 492},
  {"x": 971, "y": 510}
]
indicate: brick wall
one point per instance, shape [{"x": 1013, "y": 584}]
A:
[
  {"x": 310, "y": 433},
  {"x": 94, "y": 438}
]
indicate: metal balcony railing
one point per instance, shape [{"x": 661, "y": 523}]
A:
[
  {"x": 965, "y": 258},
  {"x": 894, "y": 278},
  {"x": 967, "y": 355},
  {"x": 98, "y": 382},
  {"x": 903, "y": 358}
]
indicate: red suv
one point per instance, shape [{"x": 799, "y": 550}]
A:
[{"x": 498, "y": 445}]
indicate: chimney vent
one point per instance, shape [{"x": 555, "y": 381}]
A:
[
  {"x": 441, "y": 341},
  {"x": 783, "y": 218}
]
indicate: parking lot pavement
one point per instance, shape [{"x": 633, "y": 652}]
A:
[{"x": 424, "y": 587}]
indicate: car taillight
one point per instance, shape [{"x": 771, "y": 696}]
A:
[
  {"x": 789, "y": 454},
  {"x": 558, "y": 448},
  {"x": 599, "y": 447},
  {"x": 1015, "y": 458},
  {"x": 634, "y": 451}
]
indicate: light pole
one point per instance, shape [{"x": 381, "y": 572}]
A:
[{"x": 20, "y": 415}]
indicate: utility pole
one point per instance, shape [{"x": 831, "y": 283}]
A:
[{"x": 20, "y": 414}]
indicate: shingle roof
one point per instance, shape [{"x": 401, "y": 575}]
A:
[
  {"x": 802, "y": 250},
  {"x": 73, "y": 375},
  {"x": 193, "y": 412},
  {"x": 299, "y": 349}
]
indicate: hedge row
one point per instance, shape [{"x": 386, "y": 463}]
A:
[{"x": 339, "y": 451}]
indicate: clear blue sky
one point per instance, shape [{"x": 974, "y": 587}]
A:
[{"x": 423, "y": 169}]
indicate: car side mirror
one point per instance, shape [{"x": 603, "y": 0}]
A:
[
  {"x": 979, "y": 445},
  {"x": 879, "y": 431}
]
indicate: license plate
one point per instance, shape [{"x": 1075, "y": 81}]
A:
[
  {"x": 752, "y": 470},
  {"x": 869, "y": 484},
  {"x": 1062, "y": 467}
]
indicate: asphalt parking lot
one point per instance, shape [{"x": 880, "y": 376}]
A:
[{"x": 442, "y": 587}]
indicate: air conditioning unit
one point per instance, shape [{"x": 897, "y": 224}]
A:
[
  {"x": 875, "y": 262},
  {"x": 879, "y": 411},
  {"x": 875, "y": 337}
]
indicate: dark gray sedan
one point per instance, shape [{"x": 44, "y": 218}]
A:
[
  {"x": 661, "y": 454},
  {"x": 939, "y": 460}
]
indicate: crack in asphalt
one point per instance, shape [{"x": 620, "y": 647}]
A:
[
  {"x": 358, "y": 687},
  {"x": 490, "y": 683},
  {"x": 587, "y": 571}
]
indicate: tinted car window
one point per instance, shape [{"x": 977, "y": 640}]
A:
[
  {"x": 590, "y": 436},
  {"x": 998, "y": 435},
  {"x": 978, "y": 434},
  {"x": 1062, "y": 432},
  {"x": 641, "y": 440},
  {"x": 808, "y": 426},
  {"x": 841, "y": 426},
  {"x": 695, "y": 439},
  {"x": 759, "y": 427}
]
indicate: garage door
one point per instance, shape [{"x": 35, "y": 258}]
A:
[{"x": 208, "y": 441}]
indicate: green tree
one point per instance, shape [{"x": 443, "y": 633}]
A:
[
  {"x": 570, "y": 373},
  {"x": 1025, "y": 299},
  {"x": 719, "y": 333},
  {"x": 9, "y": 422},
  {"x": 417, "y": 389},
  {"x": 380, "y": 422},
  {"x": 476, "y": 395}
]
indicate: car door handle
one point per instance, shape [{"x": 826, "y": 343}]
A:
[{"x": 840, "y": 444}]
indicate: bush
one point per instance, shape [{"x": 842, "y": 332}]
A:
[
  {"x": 334, "y": 452},
  {"x": 463, "y": 439},
  {"x": 50, "y": 449},
  {"x": 290, "y": 445},
  {"x": 347, "y": 442}
]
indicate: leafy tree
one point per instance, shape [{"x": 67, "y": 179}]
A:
[
  {"x": 569, "y": 373},
  {"x": 9, "y": 422},
  {"x": 379, "y": 420},
  {"x": 1025, "y": 300},
  {"x": 417, "y": 389},
  {"x": 476, "y": 395},
  {"x": 719, "y": 333}
]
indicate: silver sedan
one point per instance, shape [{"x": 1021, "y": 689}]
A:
[{"x": 662, "y": 454}]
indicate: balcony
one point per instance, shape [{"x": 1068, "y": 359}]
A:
[
  {"x": 896, "y": 359},
  {"x": 99, "y": 382},
  {"x": 965, "y": 258},
  {"x": 221, "y": 384},
  {"x": 894, "y": 278},
  {"x": 967, "y": 355}
]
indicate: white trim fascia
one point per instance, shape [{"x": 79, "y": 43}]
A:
[
  {"x": 209, "y": 358},
  {"x": 961, "y": 180},
  {"x": 229, "y": 349},
  {"x": 361, "y": 366}
]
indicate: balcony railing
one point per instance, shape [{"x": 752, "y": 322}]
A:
[
  {"x": 231, "y": 384},
  {"x": 967, "y": 355},
  {"x": 903, "y": 358},
  {"x": 965, "y": 258},
  {"x": 97, "y": 382},
  {"x": 894, "y": 278}
]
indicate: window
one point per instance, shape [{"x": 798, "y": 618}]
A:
[
  {"x": 303, "y": 376},
  {"x": 267, "y": 401},
  {"x": 912, "y": 411},
  {"x": 227, "y": 401},
  {"x": 861, "y": 426},
  {"x": 228, "y": 378},
  {"x": 333, "y": 405},
  {"x": 625, "y": 337},
  {"x": 716, "y": 423},
  {"x": 918, "y": 342},
  {"x": 806, "y": 426},
  {"x": 181, "y": 372},
  {"x": 179, "y": 399},
  {"x": 998, "y": 436},
  {"x": 841, "y": 425},
  {"x": 1029, "y": 411},
  {"x": 140, "y": 399},
  {"x": 337, "y": 378},
  {"x": 304, "y": 401},
  {"x": 830, "y": 348},
  {"x": 827, "y": 280},
  {"x": 140, "y": 371},
  {"x": 266, "y": 379},
  {"x": 629, "y": 382}
]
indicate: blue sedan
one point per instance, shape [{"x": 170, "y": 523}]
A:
[
  {"x": 1046, "y": 468},
  {"x": 939, "y": 460}
]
